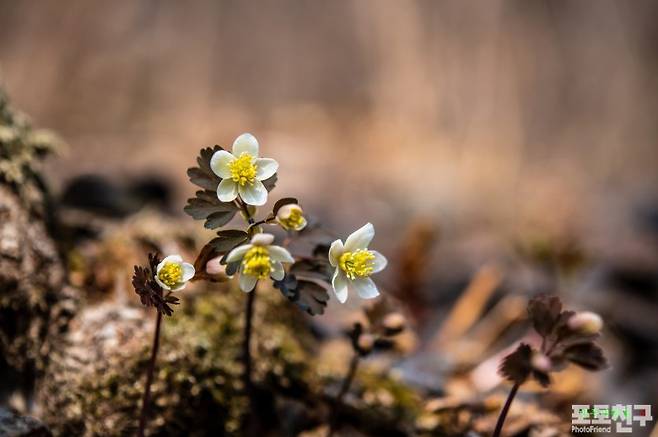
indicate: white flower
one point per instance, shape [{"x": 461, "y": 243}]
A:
[
  {"x": 354, "y": 264},
  {"x": 173, "y": 274},
  {"x": 291, "y": 217},
  {"x": 242, "y": 172},
  {"x": 259, "y": 260}
]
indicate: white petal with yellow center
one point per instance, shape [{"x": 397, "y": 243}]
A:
[
  {"x": 335, "y": 251},
  {"x": 265, "y": 168},
  {"x": 219, "y": 163},
  {"x": 340, "y": 284},
  {"x": 254, "y": 194},
  {"x": 365, "y": 287},
  {"x": 227, "y": 190},
  {"x": 245, "y": 143},
  {"x": 247, "y": 282},
  {"x": 361, "y": 238},
  {"x": 379, "y": 263},
  {"x": 277, "y": 271},
  {"x": 278, "y": 253},
  {"x": 237, "y": 253}
]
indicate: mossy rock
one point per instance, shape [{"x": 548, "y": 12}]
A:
[{"x": 94, "y": 386}]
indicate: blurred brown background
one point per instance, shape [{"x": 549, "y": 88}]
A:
[{"x": 500, "y": 114}]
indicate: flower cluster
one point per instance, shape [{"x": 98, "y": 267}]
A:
[{"x": 240, "y": 181}]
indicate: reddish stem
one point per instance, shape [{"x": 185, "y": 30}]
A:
[
  {"x": 505, "y": 410},
  {"x": 149, "y": 376}
]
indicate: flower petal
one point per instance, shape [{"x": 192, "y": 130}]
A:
[
  {"x": 279, "y": 254},
  {"x": 277, "y": 271},
  {"x": 245, "y": 143},
  {"x": 265, "y": 168},
  {"x": 339, "y": 283},
  {"x": 188, "y": 271},
  {"x": 302, "y": 225},
  {"x": 360, "y": 238},
  {"x": 365, "y": 287},
  {"x": 379, "y": 263},
  {"x": 247, "y": 282},
  {"x": 262, "y": 239},
  {"x": 335, "y": 251},
  {"x": 179, "y": 286},
  {"x": 161, "y": 284},
  {"x": 237, "y": 253},
  {"x": 219, "y": 163},
  {"x": 169, "y": 259},
  {"x": 254, "y": 194},
  {"x": 227, "y": 190}
]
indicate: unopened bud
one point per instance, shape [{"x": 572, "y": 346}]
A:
[
  {"x": 541, "y": 362},
  {"x": 394, "y": 323},
  {"x": 585, "y": 322},
  {"x": 365, "y": 343},
  {"x": 291, "y": 217}
]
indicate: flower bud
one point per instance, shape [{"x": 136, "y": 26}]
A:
[
  {"x": 291, "y": 217},
  {"x": 393, "y": 323},
  {"x": 365, "y": 343},
  {"x": 585, "y": 322}
]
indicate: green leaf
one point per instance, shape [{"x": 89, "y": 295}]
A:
[{"x": 283, "y": 202}]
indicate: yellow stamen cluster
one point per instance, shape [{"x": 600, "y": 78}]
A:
[
  {"x": 171, "y": 274},
  {"x": 256, "y": 262},
  {"x": 243, "y": 169},
  {"x": 294, "y": 221},
  {"x": 357, "y": 264}
]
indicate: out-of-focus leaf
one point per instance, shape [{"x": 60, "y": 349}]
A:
[
  {"x": 544, "y": 312},
  {"x": 587, "y": 355},
  {"x": 516, "y": 367},
  {"x": 317, "y": 268},
  {"x": 308, "y": 295}
]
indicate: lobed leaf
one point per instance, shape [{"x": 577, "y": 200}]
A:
[
  {"x": 229, "y": 239},
  {"x": 586, "y": 355},
  {"x": 544, "y": 312},
  {"x": 516, "y": 367},
  {"x": 308, "y": 295}
]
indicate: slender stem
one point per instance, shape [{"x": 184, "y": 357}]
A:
[
  {"x": 245, "y": 211},
  {"x": 344, "y": 388},
  {"x": 505, "y": 410},
  {"x": 149, "y": 376},
  {"x": 246, "y": 345},
  {"x": 347, "y": 382}
]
